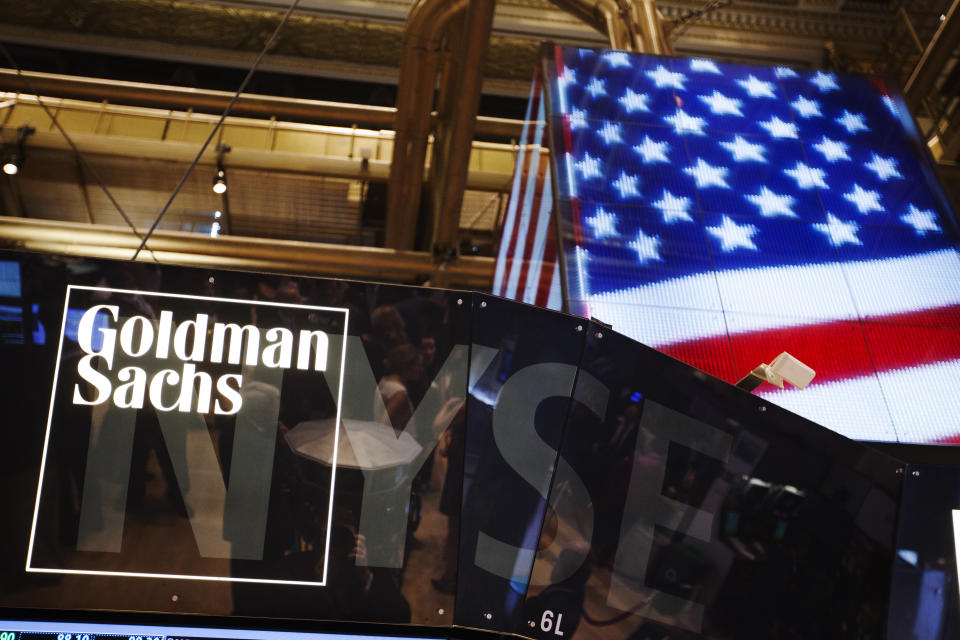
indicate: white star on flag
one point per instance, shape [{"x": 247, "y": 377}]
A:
[
  {"x": 806, "y": 107},
  {"x": 707, "y": 175},
  {"x": 674, "y": 208},
  {"x": 577, "y": 119},
  {"x": 779, "y": 129},
  {"x": 652, "y": 150},
  {"x": 664, "y": 78},
  {"x": 832, "y": 150},
  {"x": 772, "y": 205},
  {"x": 922, "y": 220},
  {"x": 744, "y": 151},
  {"x": 785, "y": 72},
  {"x": 596, "y": 88},
  {"x": 807, "y": 177},
  {"x": 852, "y": 122},
  {"x": 646, "y": 247},
  {"x": 627, "y": 186},
  {"x": 866, "y": 200},
  {"x": 610, "y": 132},
  {"x": 616, "y": 59},
  {"x": 756, "y": 87},
  {"x": 825, "y": 81},
  {"x": 633, "y": 101},
  {"x": 704, "y": 66},
  {"x": 589, "y": 167},
  {"x": 683, "y": 123},
  {"x": 733, "y": 236},
  {"x": 837, "y": 231},
  {"x": 722, "y": 105},
  {"x": 567, "y": 77},
  {"x": 885, "y": 168},
  {"x": 603, "y": 223}
]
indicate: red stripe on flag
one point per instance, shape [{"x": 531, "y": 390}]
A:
[
  {"x": 547, "y": 265},
  {"x": 535, "y": 222},
  {"x": 836, "y": 350}
]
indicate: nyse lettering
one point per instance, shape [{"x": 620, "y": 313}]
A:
[
  {"x": 131, "y": 387},
  {"x": 382, "y": 518}
]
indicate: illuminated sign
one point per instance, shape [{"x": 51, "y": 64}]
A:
[
  {"x": 582, "y": 483},
  {"x": 139, "y": 357},
  {"x": 138, "y": 336}
]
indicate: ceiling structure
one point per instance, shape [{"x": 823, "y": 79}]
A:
[
  {"x": 194, "y": 52},
  {"x": 361, "y": 39}
]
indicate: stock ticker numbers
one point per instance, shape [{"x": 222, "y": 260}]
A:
[{"x": 54, "y": 635}]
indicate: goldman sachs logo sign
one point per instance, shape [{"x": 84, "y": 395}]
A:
[
  {"x": 183, "y": 374},
  {"x": 189, "y": 347}
]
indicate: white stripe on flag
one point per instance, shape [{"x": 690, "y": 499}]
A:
[
  {"x": 922, "y": 400},
  {"x": 766, "y": 298}
]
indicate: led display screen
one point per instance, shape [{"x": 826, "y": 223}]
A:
[{"x": 726, "y": 213}]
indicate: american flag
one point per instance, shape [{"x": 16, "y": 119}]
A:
[
  {"x": 527, "y": 268},
  {"x": 725, "y": 213}
]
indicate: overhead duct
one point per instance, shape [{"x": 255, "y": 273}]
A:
[
  {"x": 629, "y": 26},
  {"x": 457, "y": 115},
  {"x": 418, "y": 74}
]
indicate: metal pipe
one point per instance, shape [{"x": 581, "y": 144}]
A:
[
  {"x": 628, "y": 26},
  {"x": 418, "y": 71},
  {"x": 449, "y": 177},
  {"x": 235, "y": 252},
  {"x": 652, "y": 37},
  {"x": 207, "y": 100},
  {"x": 924, "y": 76}
]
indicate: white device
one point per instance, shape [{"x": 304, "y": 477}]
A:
[{"x": 783, "y": 367}]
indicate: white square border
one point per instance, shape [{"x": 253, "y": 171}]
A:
[{"x": 165, "y": 576}]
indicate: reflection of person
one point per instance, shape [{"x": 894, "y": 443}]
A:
[
  {"x": 402, "y": 366},
  {"x": 353, "y": 592},
  {"x": 387, "y": 331},
  {"x": 452, "y": 446}
]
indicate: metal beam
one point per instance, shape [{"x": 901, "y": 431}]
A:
[
  {"x": 922, "y": 81},
  {"x": 206, "y": 100},
  {"x": 235, "y": 252},
  {"x": 452, "y": 142},
  {"x": 332, "y": 166}
]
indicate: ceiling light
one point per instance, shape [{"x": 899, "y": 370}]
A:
[
  {"x": 220, "y": 179},
  {"x": 220, "y": 182},
  {"x": 14, "y": 161}
]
